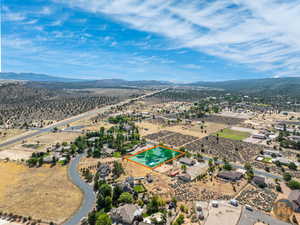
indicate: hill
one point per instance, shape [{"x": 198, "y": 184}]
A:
[
  {"x": 35, "y": 77},
  {"x": 283, "y": 86}
]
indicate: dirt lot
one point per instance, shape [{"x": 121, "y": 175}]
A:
[
  {"x": 6, "y": 134},
  {"x": 41, "y": 193},
  {"x": 193, "y": 130}
]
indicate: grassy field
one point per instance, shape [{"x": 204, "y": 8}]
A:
[
  {"x": 42, "y": 193},
  {"x": 233, "y": 134}
]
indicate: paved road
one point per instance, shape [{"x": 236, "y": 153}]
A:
[
  {"x": 89, "y": 195},
  {"x": 88, "y": 114}
]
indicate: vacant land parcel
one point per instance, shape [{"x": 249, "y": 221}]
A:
[
  {"x": 155, "y": 156},
  {"x": 42, "y": 193}
]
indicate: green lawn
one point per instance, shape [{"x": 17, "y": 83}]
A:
[
  {"x": 139, "y": 188},
  {"x": 233, "y": 134}
]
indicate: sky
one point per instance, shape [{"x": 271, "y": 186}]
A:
[{"x": 172, "y": 40}]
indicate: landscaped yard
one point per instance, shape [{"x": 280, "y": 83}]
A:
[
  {"x": 233, "y": 134},
  {"x": 139, "y": 188}
]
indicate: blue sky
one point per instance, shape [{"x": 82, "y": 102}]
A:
[{"x": 174, "y": 40}]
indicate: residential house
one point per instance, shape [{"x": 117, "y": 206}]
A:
[
  {"x": 294, "y": 198},
  {"x": 230, "y": 175},
  {"x": 187, "y": 161},
  {"x": 125, "y": 214}
]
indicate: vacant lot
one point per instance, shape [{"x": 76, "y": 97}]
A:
[
  {"x": 233, "y": 134},
  {"x": 9, "y": 133},
  {"x": 42, "y": 193}
]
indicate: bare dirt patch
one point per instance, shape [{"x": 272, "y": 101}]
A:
[{"x": 42, "y": 193}]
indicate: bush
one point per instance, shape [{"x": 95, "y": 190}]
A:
[{"x": 293, "y": 184}]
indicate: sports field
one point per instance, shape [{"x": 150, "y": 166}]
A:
[
  {"x": 233, "y": 134},
  {"x": 155, "y": 156}
]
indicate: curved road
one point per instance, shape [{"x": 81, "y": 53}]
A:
[{"x": 89, "y": 195}]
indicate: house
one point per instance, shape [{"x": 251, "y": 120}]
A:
[
  {"x": 92, "y": 139},
  {"x": 230, "y": 175},
  {"x": 259, "y": 181},
  {"x": 158, "y": 217},
  {"x": 108, "y": 151},
  {"x": 197, "y": 170},
  {"x": 294, "y": 198},
  {"x": 48, "y": 159},
  {"x": 185, "y": 177},
  {"x": 187, "y": 161},
  {"x": 125, "y": 214},
  {"x": 268, "y": 152},
  {"x": 259, "y": 136},
  {"x": 294, "y": 138},
  {"x": 130, "y": 181}
]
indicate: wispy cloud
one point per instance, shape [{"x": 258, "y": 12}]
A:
[{"x": 263, "y": 34}]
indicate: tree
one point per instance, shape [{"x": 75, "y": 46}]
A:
[
  {"x": 155, "y": 205},
  {"x": 293, "y": 184},
  {"x": 227, "y": 166},
  {"x": 92, "y": 218},
  {"x": 105, "y": 190},
  {"x": 125, "y": 197},
  {"x": 103, "y": 219},
  {"x": 287, "y": 177},
  {"x": 116, "y": 194},
  {"x": 292, "y": 166},
  {"x": 108, "y": 203},
  {"x": 118, "y": 169}
]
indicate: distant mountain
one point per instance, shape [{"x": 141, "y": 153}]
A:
[
  {"x": 62, "y": 82},
  {"x": 35, "y": 77},
  {"x": 288, "y": 85}
]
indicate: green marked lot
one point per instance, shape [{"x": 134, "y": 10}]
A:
[
  {"x": 233, "y": 134},
  {"x": 154, "y": 156}
]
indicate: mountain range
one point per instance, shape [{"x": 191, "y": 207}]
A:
[{"x": 287, "y": 85}]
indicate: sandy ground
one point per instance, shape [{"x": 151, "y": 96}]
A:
[{"x": 42, "y": 193}]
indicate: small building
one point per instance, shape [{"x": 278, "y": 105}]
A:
[
  {"x": 125, "y": 214},
  {"x": 269, "y": 152},
  {"x": 294, "y": 198},
  {"x": 259, "y": 181},
  {"x": 130, "y": 181},
  {"x": 93, "y": 139},
  {"x": 230, "y": 175},
  {"x": 294, "y": 138},
  {"x": 184, "y": 177},
  {"x": 259, "y": 136},
  {"x": 48, "y": 159},
  {"x": 187, "y": 161}
]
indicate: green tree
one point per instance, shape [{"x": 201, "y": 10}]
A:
[
  {"x": 293, "y": 184},
  {"x": 126, "y": 197},
  {"x": 105, "y": 190},
  {"x": 103, "y": 219},
  {"x": 118, "y": 169},
  {"x": 287, "y": 176}
]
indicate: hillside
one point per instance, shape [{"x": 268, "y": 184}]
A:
[{"x": 289, "y": 85}]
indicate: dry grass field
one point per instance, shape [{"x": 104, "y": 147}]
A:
[
  {"x": 193, "y": 130},
  {"x": 6, "y": 134},
  {"x": 42, "y": 193}
]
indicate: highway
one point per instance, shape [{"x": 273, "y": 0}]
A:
[{"x": 88, "y": 114}]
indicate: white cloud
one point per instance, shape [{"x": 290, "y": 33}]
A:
[
  {"x": 192, "y": 66},
  {"x": 264, "y": 34}
]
